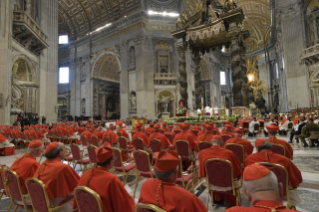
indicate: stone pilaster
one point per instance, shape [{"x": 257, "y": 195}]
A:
[{"x": 181, "y": 48}]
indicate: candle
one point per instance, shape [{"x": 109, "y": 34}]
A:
[{"x": 202, "y": 100}]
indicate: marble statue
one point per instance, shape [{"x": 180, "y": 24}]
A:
[
  {"x": 165, "y": 103},
  {"x": 16, "y": 89},
  {"x": 17, "y": 5},
  {"x": 133, "y": 101},
  {"x": 83, "y": 106}
]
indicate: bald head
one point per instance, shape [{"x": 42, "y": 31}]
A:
[{"x": 217, "y": 142}]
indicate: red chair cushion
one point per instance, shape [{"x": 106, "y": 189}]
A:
[
  {"x": 187, "y": 178},
  {"x": 84, "y": 161},
  {"x": 147, "y": 174},
  {"x": 127, "y": 168}
]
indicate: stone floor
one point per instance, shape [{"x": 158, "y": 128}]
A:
[{"x": 306, "y": 159}]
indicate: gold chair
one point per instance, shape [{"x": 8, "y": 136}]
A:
[
  {"x": 142, "y": 169},
  {"x": 185, "y": 178},
  {"x": 39, "y": 196},
  {"x": 256, "y": 128},
  {"x": 84, "y": 196},
  {"x": 120, "y": 166},
  {"x": 215, "y": 178},
  {"x": 238, "y": 150},
  {"x": 3, "y": 188},
  {"x": 279, "y": 149},
  {"x": 15, "y": 191},
  {"x": 283, "y": 178},
  {"x": 148, "y": 207},
  {"x": 203, "y": 145}
]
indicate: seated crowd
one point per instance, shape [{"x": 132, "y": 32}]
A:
[{"x": 216, "y": 151}]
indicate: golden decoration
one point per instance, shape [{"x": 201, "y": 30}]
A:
[
  {"x": 256, "y": 84},
  {"x": 165, "y": 94},
  {"x": 163, "y": 45}
]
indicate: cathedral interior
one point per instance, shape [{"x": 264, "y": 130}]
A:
[{"x": 112, "y": 59}]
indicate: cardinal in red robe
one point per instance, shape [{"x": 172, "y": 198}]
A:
[
  {"x": 157, "y": 135},
  {"x": 216, "y": 151},
  {"x": 265, "y": 154},
  {"x": 26, "y": 165},
  {"x": 163, "y": 192},
  {"x": 187, "y": 136},
  {"x": 114, "y": 196},
  {"x": 111, "y": 134},
  {"x": 248, "y": 147},
  {"x": 60, "y": 179},
  {"x": 272, "y": 131},
  {"x": 150, "y": 128},
  {"x": 140, "y": 134},
  {"x": 207, "y": 136},
  {"x": 262, "y": 190}
]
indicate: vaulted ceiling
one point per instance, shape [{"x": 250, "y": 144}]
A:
[{"x": 79, "y": 17}]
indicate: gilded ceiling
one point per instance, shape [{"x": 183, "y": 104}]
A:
[{"x": 79, "y": 17}]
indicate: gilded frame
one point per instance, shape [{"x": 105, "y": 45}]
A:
[{"x": 90, "y": 191}]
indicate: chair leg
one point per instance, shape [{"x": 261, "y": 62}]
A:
[
  {"x": 207, "y": 200},
  {"x": 125, "y": 178},
  {"x": 212, "y": 196},
  {"x": 193, "y": 187},
  {"x": 15, "y": 209},
  {"x": 136, "y": 185},
  {"x": 10, "y": 207}
]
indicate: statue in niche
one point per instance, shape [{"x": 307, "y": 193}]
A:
[
  {"x": 83, "y": 107},
  {"x": 133, "y": 100},
  {"x": 132, "y": 57},
  {"x": 16, "y": 89},
  {"x": 165, "y": 103}
]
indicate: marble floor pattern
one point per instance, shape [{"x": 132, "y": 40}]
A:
[{"x": 306, "y": 159}]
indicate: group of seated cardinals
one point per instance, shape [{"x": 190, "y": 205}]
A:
[{"x": 260, "y": 185}]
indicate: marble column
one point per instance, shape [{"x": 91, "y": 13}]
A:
[
  {"x": 6, "y": 7},
  {"x": 124, "y": 81},
  {"x": 198, "y": 83},
  {"x": 182, "y": 71}
]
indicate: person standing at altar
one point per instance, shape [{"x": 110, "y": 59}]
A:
[
  {"x": 181, "y": 110},
  {"x": 251, "y": 132}
]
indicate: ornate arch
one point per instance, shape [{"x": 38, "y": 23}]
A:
[
  {"x": 107, "y": 66},
  {"x": 32, "y": 64}
]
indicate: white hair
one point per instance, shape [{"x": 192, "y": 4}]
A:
[
  {"x": 266, "y": 183},
  {"x": 217, "y": 141},
  {"x": 33, "y": 150}
]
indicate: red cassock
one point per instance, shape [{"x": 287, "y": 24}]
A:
[
  {"x": 18, "y": 133},
  {"x": 268, "y": 156},
  {"x": 88, "y": 135},
  {"x": 71, "y": 131},
  {"x": 195, "y": 128},
  {"x": 112, "y": 192},
  {"x": 124, "y": 133},
  {"x": 172, "y": 133},
  {"x": 204, "y": 137},
  {"x": 227, "y": 133},
  {"x": 165, "y": 129},
  {"x": 142, "y": 136},
  {"x": 59, "y": 178},
  {"x": 112, "y": 136},
  {"x": 25, "y": 167},
  {"x": 261, "y": 206},
  {"x": 39, "y": 134},
  {"x": 63, "y": 131},
  {"x": 296, "y": 121},
  {"x": 171, "y": 197},
  {"x": 248, "y": 147},
  {"x": 219, "y": 152},
  {"x": 149, "y": 129},
  {"x": 274, "y": 140},
  {"x": 99, "y": 135},
  {"x": 31, "y": 134},
  {"x": 187, "y": 136},
  {"x": 165, "y": 142}
]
